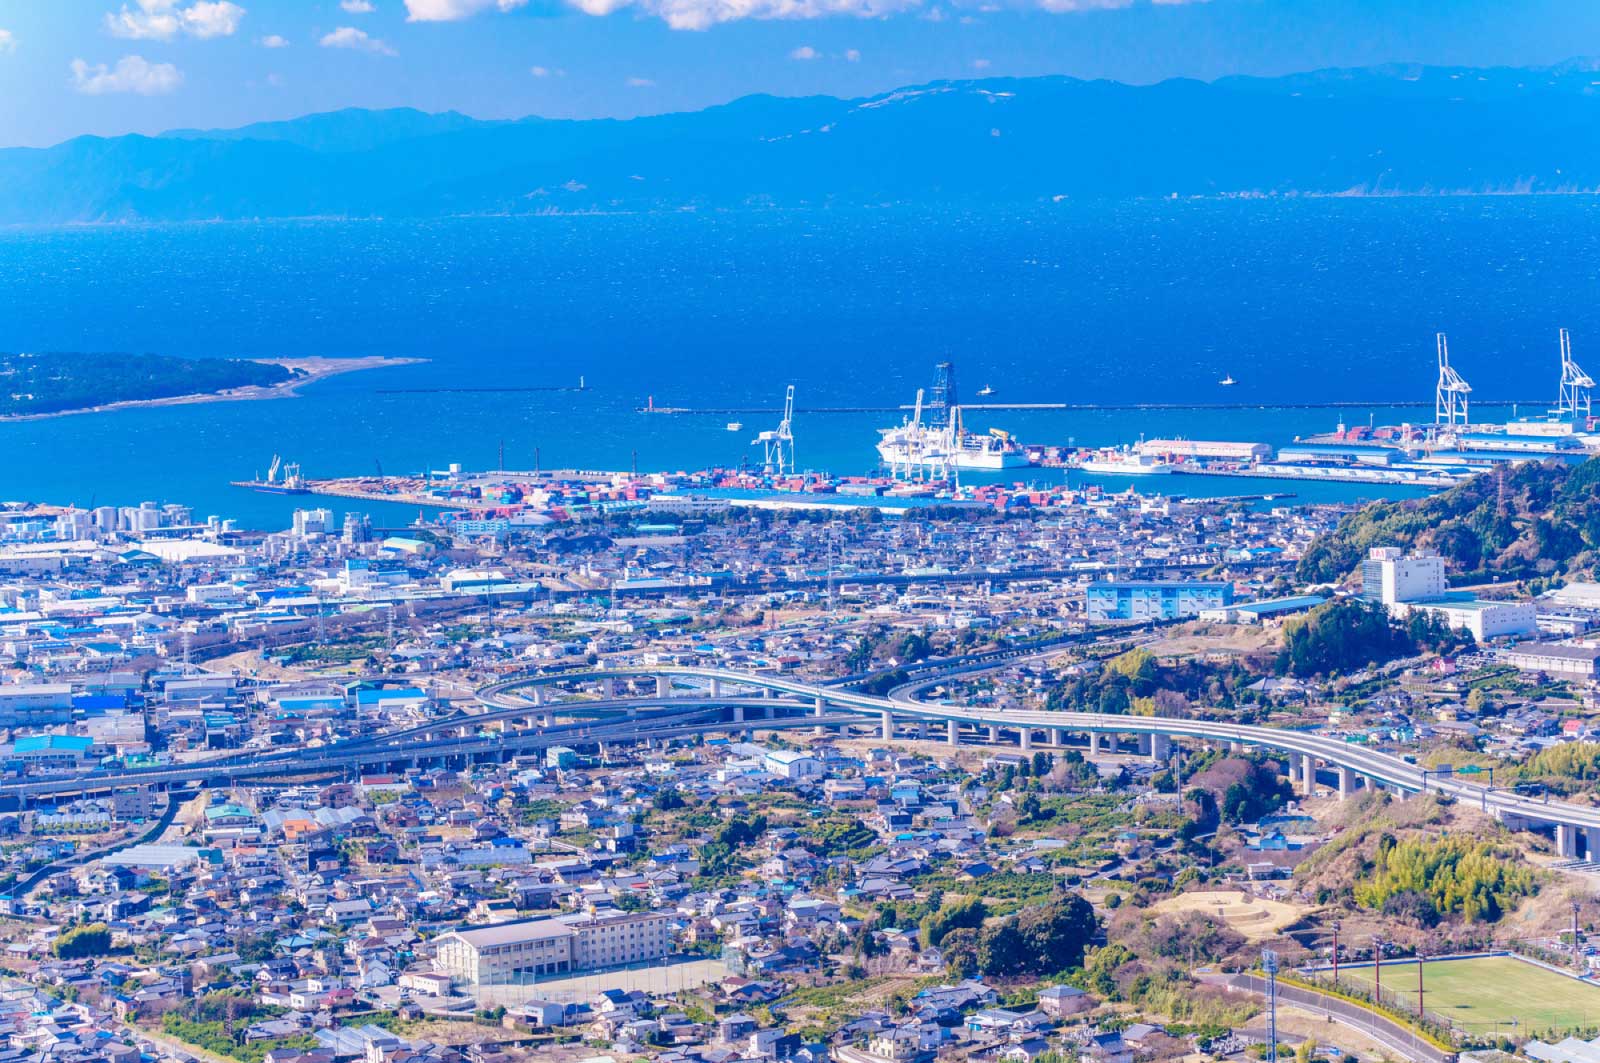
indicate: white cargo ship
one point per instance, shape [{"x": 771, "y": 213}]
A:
[{"x": 1125, "y": 463}]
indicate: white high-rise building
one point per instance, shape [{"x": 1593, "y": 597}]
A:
[{"x": 1389, "y": 577}]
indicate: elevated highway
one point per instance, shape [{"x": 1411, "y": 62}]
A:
[
  {"x": 688, "y": 701},
  {"x": 1351, "y": 765}
]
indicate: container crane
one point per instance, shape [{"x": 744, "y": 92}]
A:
[
  {"x": 1576, "y": 385},
  {"x": 777, "y": 445},
  {"x": 1450, "y": 396}
]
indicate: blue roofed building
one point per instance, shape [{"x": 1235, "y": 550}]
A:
[{"x": 1139, "y": 600}]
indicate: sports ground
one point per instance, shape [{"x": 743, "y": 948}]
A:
[{"x": 1488, "y": 995}]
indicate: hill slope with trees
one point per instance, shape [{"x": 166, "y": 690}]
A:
[{"x": 1536, "y": 520}]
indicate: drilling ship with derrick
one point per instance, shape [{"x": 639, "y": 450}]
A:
[{"x": 934, "y": 441}]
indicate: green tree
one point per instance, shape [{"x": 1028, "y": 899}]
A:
[{"x": 90, "y": 939}]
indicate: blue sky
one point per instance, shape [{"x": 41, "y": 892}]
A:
[{"x": 69, "y": 67}]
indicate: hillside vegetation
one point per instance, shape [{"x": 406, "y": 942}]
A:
[
  {"x": 58, "y": 381},
  {"x": 1533, "y": 520}
]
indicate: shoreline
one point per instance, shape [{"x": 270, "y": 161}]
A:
[{"x": 312, "y": 368}]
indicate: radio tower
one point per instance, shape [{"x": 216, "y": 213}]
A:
[
  {"x": 777, "y": 445},
  {"x": 1575, "y": 384},
  {"x": 1450, "y": 398}
]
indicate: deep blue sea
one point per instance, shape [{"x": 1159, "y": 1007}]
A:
[{"x": 1300, "y": 300}]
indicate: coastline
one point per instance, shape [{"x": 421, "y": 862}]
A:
[{"x": 313, "y": 369}]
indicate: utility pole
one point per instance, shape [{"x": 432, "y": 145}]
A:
[
  {"x": 1269, "y": 964},
  {"x": 1577, "y": 953},
  {"x": 1336, "y": 952},
  {"x": 1421, "y": 1011}
]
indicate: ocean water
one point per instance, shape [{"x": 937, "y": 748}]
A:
[{"x": 1300, "y": 300}]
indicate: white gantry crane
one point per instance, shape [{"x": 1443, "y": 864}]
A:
[
  {"x": 777, "y": 445},
  {"x": 1450, "y": 398},
  {"x": 1576, "y": 385}
]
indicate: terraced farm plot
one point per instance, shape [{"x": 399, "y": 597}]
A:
[
  {"x": 1487, "y": 995},
  {"x": 1254, "y": 917}
]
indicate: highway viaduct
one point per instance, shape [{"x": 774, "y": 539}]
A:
[{"x": 687, "y": 701}]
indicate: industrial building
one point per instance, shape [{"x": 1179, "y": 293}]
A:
[
  {"x": 522, "y": 952},
  {"x": 1269, "y": 611},
  {"x": 1388, "y": 577},
  {"x": 1561, "y": 660},
  {"x": 1214, "y": 449},
  {"x": 1340, "y": 453},
  {"x": 1155, "y": 599},
  {"x": 1411, "y": 584},
  {"x": 1483, "y": 620},
  {"x": 35, "y": 704}
]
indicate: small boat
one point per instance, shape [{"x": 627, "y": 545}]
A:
[
  {"x": 1228, "y": 381},
  {"x": 735, "y": 426},
  {"x": 986, "y": 390}
]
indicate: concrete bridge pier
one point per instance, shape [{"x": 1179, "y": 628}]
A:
[
  {"x": 952, "y": 732},
  {"x": 1058, "y": 737},
  {"x": 716, "y": 688},
  {"x": 1566, "y": 841},
  {"x": 1236, "y": 747},
  {"x": 1308, "y": 774},
  {"x": 1160, "y": 748},
  {"x": 1347, "y": 783},
  {"x": 994, "y": 733},
  {"x": 738, "y": 714},
  {"x": 663, "y": 686},
  {"x": 1145, "y": 743},
  {"x": 545, "y": 719},
  {"x": 536, "y": 695},
  {"x": 1025, "y": 739},
  {"x": 1094, "y": 743},
  {"x": 819, "y": 707},
  {"x": 888, "y": 726},
  {"x": 922, "y": 730},
  {"x": 608, "y": 687},
  {"x": 1591, "y": 841}
]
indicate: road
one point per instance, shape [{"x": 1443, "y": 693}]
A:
[
  {"x": 1392, "y": 1035},
  {"x": 712, "y": 704}
]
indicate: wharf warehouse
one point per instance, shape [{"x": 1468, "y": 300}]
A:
[
  {"x": 521, "y": 952},
  {"x": 1220, "y": 449}
]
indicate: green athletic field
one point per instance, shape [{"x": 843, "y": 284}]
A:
[{"x": 1486, "y": 995}]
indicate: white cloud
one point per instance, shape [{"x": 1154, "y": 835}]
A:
[
  {"x": 546, "y": 72},
  {"x": 639, "y": 83},
  {"x": 8, "y": 41},
  {"x": 356, "y": 40},
  {"x": 805, "y": 51},
  {"x": 272, "y": 40},
  {"x": 702, "y": 14},
  {"x": 454, "y": 10},
  {"x": 131, "y": 74},
  {"x": 358, "y": 7},
  {"x": 852, "y": 55},
  {"x": 980, "y": 64},
  {"x": 162, "y": 20}
]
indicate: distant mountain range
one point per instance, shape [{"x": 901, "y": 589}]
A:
[{"x": 1371, "y": 131}]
